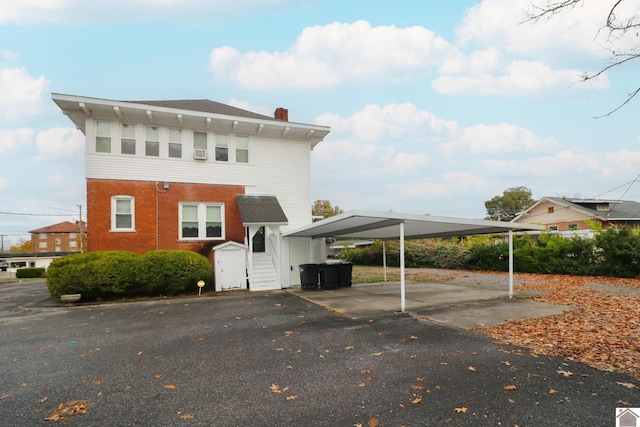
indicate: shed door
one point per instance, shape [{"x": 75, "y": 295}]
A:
[{"x": 230, "y": 270}]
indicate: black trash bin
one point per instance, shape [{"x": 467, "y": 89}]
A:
[
  {"x": 309, "y": 276},
  {"x": 346, "y": 274},
  {"x": 329, "y": 276}
]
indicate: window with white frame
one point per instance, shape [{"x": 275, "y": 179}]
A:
[
  {"x": 73, "y": 236},
  {"x": 43, "y": 245},
  {"x": 222, "y": 147},
  {"x": 128, "y": 139},
  {"x": 42, "y": 235},
  {"x": 200, "y": 140},
  {"x": 103, "y": 137},
  {"x": 73, "y": 244},
  {"x": 58, "y": 240},
  {"x": 202, "y": 221},
  {"x": 242, "y": 149},
  {"x": 175, "y": 143},
  {"x": 152, "y": 141},
  {"x": 122, "y": 213}
]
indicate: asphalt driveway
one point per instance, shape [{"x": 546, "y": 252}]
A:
[{"x": 266, "y": 359}]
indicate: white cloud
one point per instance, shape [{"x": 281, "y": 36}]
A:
[
  {"x": 325, "y": 56},
  {"x": 22, "y": 94},
  {"x": 245, "y": 105},
  {"x": 14, "y": 139},
  {"x": 499, "y": 23},
  {"x": 404, "y": 163},
  {"x": 4, "y": 182},
  {"x": 59, "y": 142},
  {"x": 74, "y": 11},
  {"x": 500, "y": 138},
  {"x": 517, "y": 77}
]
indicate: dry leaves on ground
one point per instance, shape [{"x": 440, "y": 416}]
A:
[
  {"x": 66, "y": 410},
  {"x": 602, "y": 329}
]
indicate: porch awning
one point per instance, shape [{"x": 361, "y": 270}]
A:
[{"x": 260, "y": 210}]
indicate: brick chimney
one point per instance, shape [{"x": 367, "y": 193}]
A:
[{"x": 281, "y": 114}]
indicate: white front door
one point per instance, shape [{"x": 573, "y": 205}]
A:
[{"x": 299, "y": 253}]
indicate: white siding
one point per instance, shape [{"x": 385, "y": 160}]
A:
[{"x": 283, "y": 170}]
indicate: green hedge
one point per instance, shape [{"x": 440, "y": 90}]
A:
[
  {"x": 118, "y": 273},
  {"x": 614, "y": 252},
  {"x": 30, "y": 273}
]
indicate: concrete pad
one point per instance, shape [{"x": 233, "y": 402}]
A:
[{"x": 460, "y": 306}]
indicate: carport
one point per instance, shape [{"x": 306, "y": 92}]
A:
[{"x": 396, "y": 226}]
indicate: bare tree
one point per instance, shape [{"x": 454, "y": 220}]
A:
[{"x": 617, "y": 24}]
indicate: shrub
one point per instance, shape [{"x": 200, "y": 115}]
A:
[
  {"x": 30, "y": 273},
  {"x": 170, "y": 272},
  {"x": 93, "y": 274},
  {"x": 618, "y": 253}
]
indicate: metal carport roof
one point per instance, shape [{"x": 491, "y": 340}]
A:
[{"x": 397, "y": 226}]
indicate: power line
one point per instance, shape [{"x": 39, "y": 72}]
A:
[{"x": 32, "y": 214}]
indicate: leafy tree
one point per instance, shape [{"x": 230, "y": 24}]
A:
[
  {"x": 324, "y": 209},
  {"x": 622, "y": 19},
  {"x": 513, "y": 201},
  {"x": 23, "y": 245}
]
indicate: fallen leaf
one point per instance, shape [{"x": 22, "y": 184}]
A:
[
  {"x": 418, "y": 387},
  {"x": 200, "y": 339},
  {"x": 413, "y": 356},
  {"x": 140, "y": 353},
  {"x": 552, "y": 391},
  {"x": 417, "y": 400},
  {"x": 420, "y": 379},
  {"x": 362, "y": 385},
  {"x": 292, "y": 397},
  {"x": 376, "y": 354},
  {"x": 349, "y": 347},
  {"x": 373, "y": 422},
  {"x": 565, "y": 373},
  {"x": 510, "y": 387},
  {"x": 511, "y": 401},
  {"x": 67, "y": 410},
  {"x": 289, "y": 333},
  {"x": 275, "y": 388},
  {"x": 187, "y": 417},
  {"x": 462, "y": 409},
  {"x": 44, "y": 399},
  {"x": 170, "y": 386},
  {"x": 413, "y": 337},
  {"x": 471, "y": 368},
  {"x": 157, "y": 376},
  {"x": 97, "y": 382},
  {"x": 290, "y": 367},
  {"x": 627, "y": 385}
]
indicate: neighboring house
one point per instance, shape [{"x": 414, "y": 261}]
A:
[
  {"x": 573, "y": 215},
  {"x": 13, "y": 261},
  {"x": 61, "y": 237},
  {"x": 195, "y": 174}
]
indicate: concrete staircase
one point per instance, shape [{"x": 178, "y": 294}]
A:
[{"x": 264, "y": 276}]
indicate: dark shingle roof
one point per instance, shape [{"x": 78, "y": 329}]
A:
[
  {"x": 205, "y": 106},
  {"x": 260, "y": 210},
  {"x": 620, "y": 209}
]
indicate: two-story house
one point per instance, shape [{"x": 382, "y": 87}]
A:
[
  {"x": 194, "y": 175},
  {"x": 571, "y": 215},
  {"x": 62, "y": 237}
]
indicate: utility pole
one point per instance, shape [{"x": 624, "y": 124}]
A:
[
  {"x": 2, "y": 236},
  {"x": 80, "y": 225}
]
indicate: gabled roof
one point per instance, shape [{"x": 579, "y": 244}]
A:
[
  {"x": 261, "y": 210},
  {"x": 61, "y": 227},
  {"x": 620, "y": 210}
]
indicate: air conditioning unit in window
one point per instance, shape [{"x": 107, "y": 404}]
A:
[{"x": 200, "y": 154}]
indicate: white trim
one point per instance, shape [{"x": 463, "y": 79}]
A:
[
  {"x": 202, "y": 221},
  {"x": 114, "y": 200}
]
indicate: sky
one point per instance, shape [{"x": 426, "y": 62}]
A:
[{"x": 434, "y": 107}]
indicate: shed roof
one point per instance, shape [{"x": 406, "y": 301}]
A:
[{"x": 262, "y": 210}]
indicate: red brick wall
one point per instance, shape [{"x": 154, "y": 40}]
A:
[{"x": 101, "y": 238}]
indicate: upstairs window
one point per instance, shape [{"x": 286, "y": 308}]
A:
[
  {"x": 222, "y": 148},
  {"x": 42, "y": 235},
  {"x": 175, "y": 143},
  {"x": 152, "y": 141},
  {"x": 122, "y": 213},
  {"x": 128, "y": 139},
  {"x": 200, "y": 145},
  {"x": 242, "y": 149},
  {"x": 103, "y": 137},
  {"x": 202, "y": 221}
]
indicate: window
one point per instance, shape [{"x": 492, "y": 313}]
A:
[
  {"x": 103, "y": 137},
  {"x": 242, "y": 149},
  {"x": 58, "y": 249},
  {"x": 152, "y": 143},
  {"x": 58, "y": 240},
  {"x": 43, "y": 245},
  {"x": 201, "y": 221},
  {"x": 42, "y": 235},
  {"x": 128, "y": 139},
  {"x": 200, "y": 140},
  {"x": 122, "y": 213},
  {"x": 553, "y": 228},
  {"x": 73, "y": 244},
  {"x": 222, "y": 148},
  {"x": 175, "y": 143},
  {"x": 550, "y": 209},
  {"x": 73, "y": 236},
  {"x": 573, "y": 226}
]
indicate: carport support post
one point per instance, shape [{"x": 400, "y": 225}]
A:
[
  {"x": 510, "y": 263},
  {"x": 384, "y": 259},
  {"x": 402, "y": 305}
]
